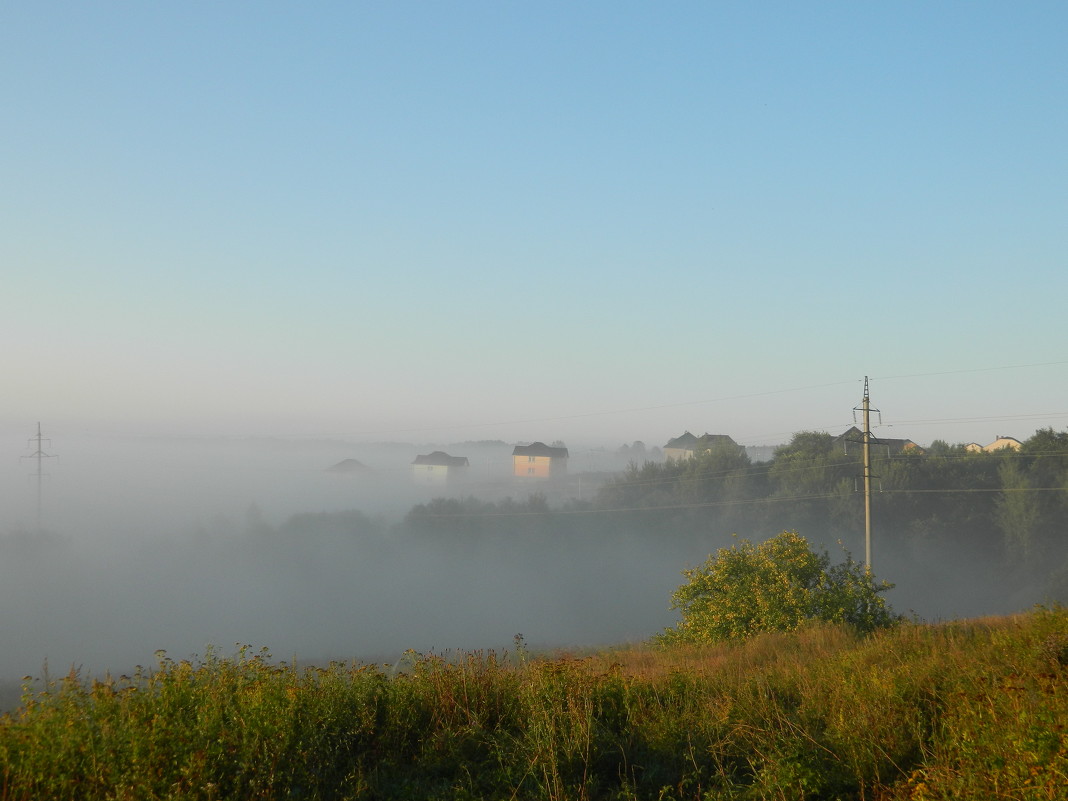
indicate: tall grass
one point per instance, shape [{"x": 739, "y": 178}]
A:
[{"x": 973, "y": 709}]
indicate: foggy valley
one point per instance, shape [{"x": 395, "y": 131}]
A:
[
  {"x": 376, "y": 336},
  {"x": 185, "y": 544},
  {"x": 180, "y": 544}
]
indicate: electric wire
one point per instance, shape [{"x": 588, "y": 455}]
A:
[{"x": 720, "y": 503}]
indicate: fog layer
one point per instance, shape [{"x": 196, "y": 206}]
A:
[
  {"x": 181, "y": 545},
  {"x": 184, "y": 546}
]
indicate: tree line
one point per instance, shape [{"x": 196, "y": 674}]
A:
[
  {"x": 964, "y": 533},
  {"x": 1006, "y": 507}
]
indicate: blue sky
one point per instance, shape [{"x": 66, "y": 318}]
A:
[{"x": 604, "y": 221}]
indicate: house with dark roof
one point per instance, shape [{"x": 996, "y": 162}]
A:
[
  {"x": 539, "y": 460},
  {"x": 686, "y": 446},
  {"x": 852, "y": 442},
  {"x": 438, "y": 468}
]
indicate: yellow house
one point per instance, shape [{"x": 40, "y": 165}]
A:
[
  {"x": 1000, "y": 442},
  {"x": 538, "y": 460}
]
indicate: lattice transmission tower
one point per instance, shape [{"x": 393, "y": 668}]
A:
[{"x": 39, "y": 454}]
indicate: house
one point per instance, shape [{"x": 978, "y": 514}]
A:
[
  {"x": 852, "y": 441},
  {"x": 1000, "y": 442},
  {"x": 438, "y": 468},
  {"x": 687, "y": 445},
  {"x": 539, "y": 460},
  {"x": 681, "y": 447}
]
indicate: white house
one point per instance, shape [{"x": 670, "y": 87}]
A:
[{"x": 438, "y": 468}]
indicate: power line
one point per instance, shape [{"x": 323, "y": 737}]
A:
[
  {"x": 990, "y": 419},
  {"x": 974, "y": 490},
  {"x": 972, "y": 370},
  {"x": 717, "y": 504}
]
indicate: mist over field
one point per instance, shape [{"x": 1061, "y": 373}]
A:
[{"x": 182, "y": 545}]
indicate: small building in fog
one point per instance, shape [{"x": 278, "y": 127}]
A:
[
  {"x": 352, "y": 467},
  {"x": 687, "y": 446},
  {"x": 438, "y": 468},
  {"x": 539, "y": 460}
]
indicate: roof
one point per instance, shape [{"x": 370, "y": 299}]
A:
[
  {"x": 688, "y": 442},
  {"x": 442, "y": 459},
  {"x": 710, "y": 440},
  {"x": 349, "y": 466},
  {"x": 856, "y": 436},
  {"x": 685, "y": 442},
  {"x": 1003, "y": 441},
  {"x": 540, "y": 449}
]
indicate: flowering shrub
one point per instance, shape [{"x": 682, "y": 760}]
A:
[{"x": 778, "y": 585}]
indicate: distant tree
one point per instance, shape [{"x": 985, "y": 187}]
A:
[
  {"x": 645, "y": 484},
  {"x": 719, "y": 473},
  {"x": 1033, "y": 515},
  {"x": 816, "y": 477},
  {"x": 806, "y": 445},
  {"x": 537, "y": 502},
  {"x": 1047, "y": 442},
  {"x": 808, "y": 464},
  {"x": 305, "y": 526},
  {"x": 778, "y": 585},
  {"x": 1018, "y": 510},
  {"x": 449, "y": 514},
  {"x": 942, "y": 448}
]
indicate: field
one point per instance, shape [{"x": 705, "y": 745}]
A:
[{"x": 971, "y": 709}]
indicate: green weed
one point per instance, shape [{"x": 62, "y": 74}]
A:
[{"x": 975, "y": 709}]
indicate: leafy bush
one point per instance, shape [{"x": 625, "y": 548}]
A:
[{"x": 778, "y": 585}]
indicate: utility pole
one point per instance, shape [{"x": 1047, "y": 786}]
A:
[
  {"x": 40, "y": 456},
  {"x": 865, "y": 408}
]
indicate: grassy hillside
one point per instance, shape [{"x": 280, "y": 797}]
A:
[{"x": 973, "y": 709}]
